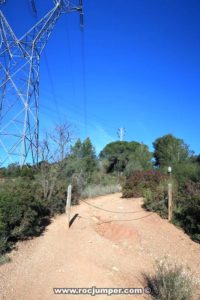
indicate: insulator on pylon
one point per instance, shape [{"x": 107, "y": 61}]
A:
[{"x": 2, "y": 1}]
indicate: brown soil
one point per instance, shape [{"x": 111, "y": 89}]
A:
[
  {"x": 101, "y": 249},
  {"x": 117, "y": 232}
]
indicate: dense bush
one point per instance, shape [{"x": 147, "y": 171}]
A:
[
  {"x": 140, "y": 180},
  {"x": 22, "y": 212},
  {"x": 14, "y": 171},
  {"x": 186, "y": 171},
  {"x": 187, "y": 209},
  {"x": 4, "y": 259},
  {"x": 152, "y": 186}
]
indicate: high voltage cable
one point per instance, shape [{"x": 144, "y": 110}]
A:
[
  {"x": 69, "y": 49},
  {"x": 84, "y": 92},
  {"x": 53, "y": 93},
  {"x": 51, "y": 81},
  {"x": 79, "y": 114},
  {"x": 84, "y": 78},
  {"x": 52, "y": 86},
  {"x": 76, "y": 109}
]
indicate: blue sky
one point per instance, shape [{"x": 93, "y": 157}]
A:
[{"x": 136, "y": 65}]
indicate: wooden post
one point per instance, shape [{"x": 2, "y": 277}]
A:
[
  {"x": 68, "y": 203},
  {"x": 170, "y": 199}
]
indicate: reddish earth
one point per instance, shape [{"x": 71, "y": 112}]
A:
[{"x": 101, "y": 249}]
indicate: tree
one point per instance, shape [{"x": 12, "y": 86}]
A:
[
  {"x": 62, "y": 137},
  {"x": 140, "y": 159},
  {"x": 170, "y": 151},
  {"x": 89, "y": 157},
  {"x": 119, "y": 156},
  {"x": 52, "y": 151},
  {"x": 82, "y": 158}
]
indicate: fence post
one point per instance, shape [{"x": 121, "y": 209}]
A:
[
  {"x": 68, "y": 204},
  {"x": 170, "y": 200}
]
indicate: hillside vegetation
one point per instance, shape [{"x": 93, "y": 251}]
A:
[
  {"x": 185, "y": 179},
  {"x": 31, "y": 195}
]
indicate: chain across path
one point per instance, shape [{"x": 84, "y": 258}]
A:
[{"x": 120, "y": 212}]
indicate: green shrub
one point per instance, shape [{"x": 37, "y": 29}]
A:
[
  {"x": 152, "y": 186},
  {"x": 139, "y": 181},
  {"x": 187, "y": 209},
  {"x": 170, "y": 282},
  {"x": 22, "y": 213},
  {"x": 4, "y": 259},
  {"x": 186, "y": 171},
  {"x": 156, "y": 200}
]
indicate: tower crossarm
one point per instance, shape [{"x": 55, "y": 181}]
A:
[{"x": 39, "y": 34}]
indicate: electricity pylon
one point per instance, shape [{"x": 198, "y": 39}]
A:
[
  {"x": 19, "y": 84},
  {"x": 121, "y": 133}
]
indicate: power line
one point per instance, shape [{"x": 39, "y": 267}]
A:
[
  {"x": 77, "y": 109},
  {"x": 83, "y": 59},
  {"x": 52, "y": 86},
  {"x": 79, "y": 113}
]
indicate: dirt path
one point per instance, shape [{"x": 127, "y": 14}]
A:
[{"x": 95, "y": 252}]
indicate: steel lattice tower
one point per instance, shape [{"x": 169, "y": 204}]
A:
[{"x": 19, "y": 85}]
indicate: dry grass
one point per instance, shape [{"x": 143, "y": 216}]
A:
[
  {"x": 171, "y": 282},
  {"x": 100, "y": 190}
]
